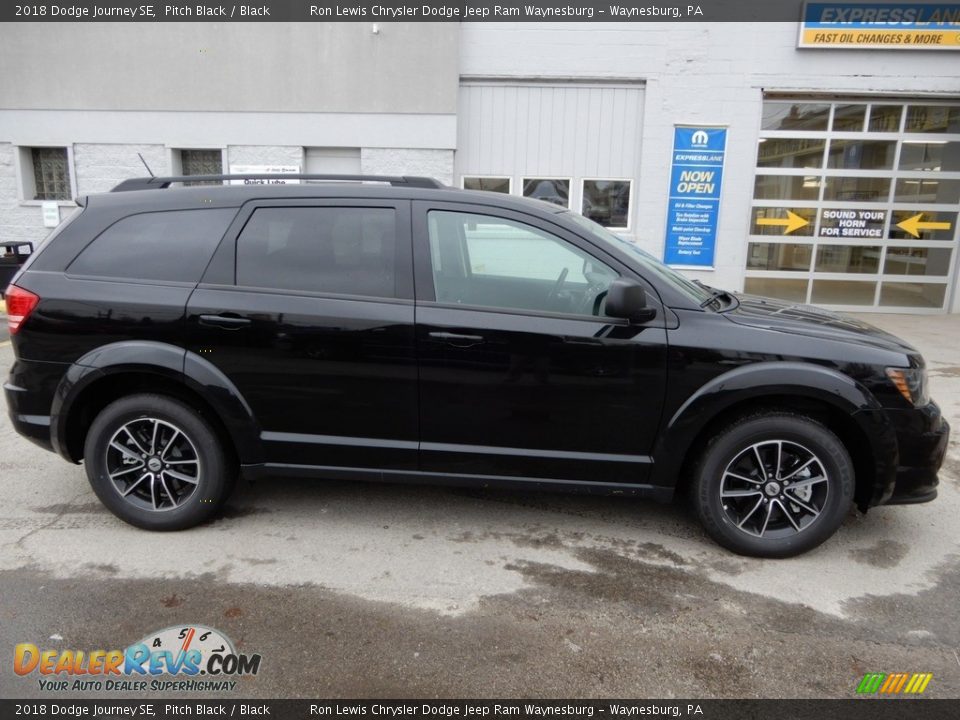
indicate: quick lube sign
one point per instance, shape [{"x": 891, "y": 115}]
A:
[
  {"x": 696, "y": 176},
  {"x": 886, "y": 26}
]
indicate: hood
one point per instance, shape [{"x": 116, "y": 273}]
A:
[{"x": 784, "y": 316}]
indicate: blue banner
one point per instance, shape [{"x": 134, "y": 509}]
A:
[{"x": 695, "y": 180}]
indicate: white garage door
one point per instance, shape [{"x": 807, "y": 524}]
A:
[
  {"x": 569, "y": 143},
  {"x": 332, "y": 161}
]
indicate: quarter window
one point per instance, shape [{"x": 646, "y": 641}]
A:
[
  {"x": 494, "y": 262},
  {"x": 341, "y": 250},
  {"x": 161, "y": 246}
]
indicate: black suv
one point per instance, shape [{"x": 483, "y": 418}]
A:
[{"x": 393, "y": 329}]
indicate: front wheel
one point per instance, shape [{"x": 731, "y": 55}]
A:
[
  {"x": 773, "y": 485},
  {"x": 155, "y": 463}
]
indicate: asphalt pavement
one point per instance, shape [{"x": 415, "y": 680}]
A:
[{"x": 376, "y": 590}]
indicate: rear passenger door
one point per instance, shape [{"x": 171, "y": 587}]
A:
[{"x": 307, "y": 307}]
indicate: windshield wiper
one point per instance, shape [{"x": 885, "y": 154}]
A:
[{"x": 715, "y": 296}]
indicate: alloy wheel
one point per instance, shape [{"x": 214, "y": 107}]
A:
[
  {"x": 153, "y": 464},
  {"x": 774, "y": 489}
]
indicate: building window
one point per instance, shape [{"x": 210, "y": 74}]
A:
[
  {"x": 51, "y": 174},
  {"x": 489, "y": 184},
  {"x": 201, "y": 162},
  {"x": 850, "y": 197},
  {"x": 551, "y": 190}
]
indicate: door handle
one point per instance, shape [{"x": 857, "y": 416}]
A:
[
  {"x": 227, "y": 322},
  {"x": 592, "y": 342},
  {"x": 457, "y": 339}
]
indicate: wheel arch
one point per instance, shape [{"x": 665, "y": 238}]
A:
[
  {"x": 837, "y": 401},
  {"x": 122, "y": 369}
]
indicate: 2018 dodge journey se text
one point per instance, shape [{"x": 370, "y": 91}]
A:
[{"x": 392, "y": 329}]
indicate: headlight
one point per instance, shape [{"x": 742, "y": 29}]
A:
[{"x": 912, "y": 384}]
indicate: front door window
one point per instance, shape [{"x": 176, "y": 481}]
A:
[{"x": 486, "y": 261}]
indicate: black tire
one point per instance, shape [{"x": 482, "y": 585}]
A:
[
  {"x": 196, "y": 454},
  {"x": 755, "y": 462}
]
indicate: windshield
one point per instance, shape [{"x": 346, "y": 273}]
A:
[{"x": 650, "y": 264}]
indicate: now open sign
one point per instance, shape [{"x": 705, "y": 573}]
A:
[{"x": 696, "y": 177}]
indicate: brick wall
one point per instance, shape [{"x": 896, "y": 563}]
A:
[{"x": 400, "y": 161}]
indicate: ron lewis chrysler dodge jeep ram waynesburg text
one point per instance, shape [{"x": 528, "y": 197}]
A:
[{"x": 393, "y": 329}]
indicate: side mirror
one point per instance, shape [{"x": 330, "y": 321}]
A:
[{"x": 627, "y": 299}]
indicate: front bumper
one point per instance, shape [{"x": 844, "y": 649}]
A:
[{"x": 923, "y": 446}]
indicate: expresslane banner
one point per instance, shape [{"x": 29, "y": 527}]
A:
[{"x": 885, "y": 26}]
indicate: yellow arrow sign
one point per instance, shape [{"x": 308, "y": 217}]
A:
[
  {"x": 790, "y": 223},
  {"x": 914, "y": 225}
]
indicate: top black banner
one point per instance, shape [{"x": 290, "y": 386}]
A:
[{"x": 640, "y": 11}]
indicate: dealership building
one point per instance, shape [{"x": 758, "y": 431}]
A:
[{"x": 747, "y": 156}]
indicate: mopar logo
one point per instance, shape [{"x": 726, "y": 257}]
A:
[{"x": 700, "y": 139}]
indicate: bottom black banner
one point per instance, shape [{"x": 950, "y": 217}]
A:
[{"x": 854, "y": 709}]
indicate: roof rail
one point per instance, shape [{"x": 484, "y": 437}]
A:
[{"x": 158, "y": 183}]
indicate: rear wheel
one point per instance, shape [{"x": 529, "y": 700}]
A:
[
  {"x": 155, "y": 463},
  {"x": 773, "y": 485}
]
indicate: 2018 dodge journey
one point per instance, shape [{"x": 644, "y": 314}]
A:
[{"x": 393, "y": 329}]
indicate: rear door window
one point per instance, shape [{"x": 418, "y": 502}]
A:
[
  {"x": 172, "y": 246},
  {"x": 339, "y": 250}
]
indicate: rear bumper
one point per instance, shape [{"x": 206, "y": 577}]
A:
[
  {"x": 29, "y": 392},
  {"x": 36, "y": 428}
]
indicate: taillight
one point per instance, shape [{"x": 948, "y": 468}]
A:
[{"x": 20, "y": 303}]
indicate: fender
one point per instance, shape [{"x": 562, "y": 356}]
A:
[
  {"x": 774, "y": 378},
  {"x": 168, "y": 361}
]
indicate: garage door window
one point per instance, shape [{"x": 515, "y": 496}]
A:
[
  {"x": 488, "y": 184},
  {"x": 551, "y": 190},
  {"x": 851, "y": 197},
  {"x": 607, "y": 202}
]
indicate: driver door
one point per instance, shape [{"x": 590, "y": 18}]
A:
[{"x": 520, "y": 372}]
